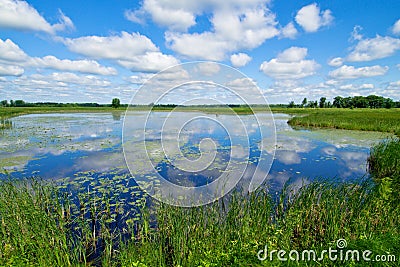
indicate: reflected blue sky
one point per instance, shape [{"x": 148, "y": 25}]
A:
[{"x": 69, "y": 146}]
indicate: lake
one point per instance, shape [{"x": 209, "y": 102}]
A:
[{"x": 83, "y": 151}]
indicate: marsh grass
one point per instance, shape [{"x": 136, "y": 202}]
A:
[
  {"x": 41, "y": 227},
  {"x": 384, "y": 159},
  {"x": 223, "y": 234},
  {"x": 381, "y": 120},
  {"x": 384, "y": 166},
  {"x": 5, "y": 124},
  {"x": 32, "y": 231}
]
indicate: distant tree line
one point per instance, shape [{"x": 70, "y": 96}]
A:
[{"x": 371, "y": 101}]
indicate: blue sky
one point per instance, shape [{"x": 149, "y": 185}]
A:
[{"x": 92, "y": 51}]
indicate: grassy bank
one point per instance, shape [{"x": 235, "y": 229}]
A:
[
  {"x": 41, "y": 226},
  {"x": 381, "y": 120},
  {"x": 383, "y": 163}
]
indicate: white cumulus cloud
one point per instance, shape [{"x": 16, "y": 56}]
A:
[
  {"x": 166, "y": 15},
  {"x": 336, "y": 62},
  {"x": 396, "y": 28},
  {"x": 208, "y": 68},
  {"x": 374, "y": 48},
  {"x": 131, "y": 50},
  {"x": 8, "y": 70},
  {"x": 290, "y": 64},
  {"x": 9, "y": 51},
  {"x": 20, "y": 15},
  {"x": 311, "y": 18},
  {"x": 240, "y": 59},
  {"x": 149, "y": 62},
  {"x": 355, "y": 34},
  {"x": 12, "y": 55},
  {"x": 234, "y": 25},
  {"x": 352, "y": 87},
  {"x": 232, "y": 30},
  {"x": 289, "y": 31},
  {"x": 350, "y": 72},
  {"x": 84, "y": 66}
]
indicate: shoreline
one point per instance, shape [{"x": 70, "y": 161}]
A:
[{"x": 378, "y": 120}]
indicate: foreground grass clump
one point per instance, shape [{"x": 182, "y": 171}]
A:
[
  {"x": 41, "y": 226},
  {"x": 40, "y": 229},
  {"x": 32, "y": 233},
  {"x": 231, "y": 235},
  {"x": 381, "y": 120},
  {"x": 384, "y": 159},
  {"x": 384, "y": 165}
]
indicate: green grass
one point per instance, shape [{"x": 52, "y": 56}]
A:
[
  {"x": 43, "y": 226},
  {"x": 231, "y": 235},
  {"x": 384, "y": 159},
  {"x": 382, "y": 120},
  {"x": 36, "y": 227},
  {"x": 384, "y": 165},
  {"x": 32, "y": 231}
]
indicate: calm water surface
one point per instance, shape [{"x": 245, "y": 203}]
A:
[{"x": 84, "y": 150}]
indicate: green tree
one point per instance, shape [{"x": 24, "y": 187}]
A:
[
  {"x": 329, "y": 105},
  {"x": 115, "y": 103},
  {"x": 322, "y": 101},
  {"x": 304, "y": 102},
  {"x": 375, "y": 101},
  {"x": 338, "y": 102},
  {"x": 312, "y": 104},
  {"x": 19, "y": 103},
  {"x": 4, "y": 103},
  {"x": 389, "y": 103},
  {"x": 360, "y": 102},
  {"x": 291, "y": 104},
  {"x": 348, "y": 102}
]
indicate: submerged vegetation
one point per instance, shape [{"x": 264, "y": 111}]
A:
[{"x": 43, "y": 225}]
